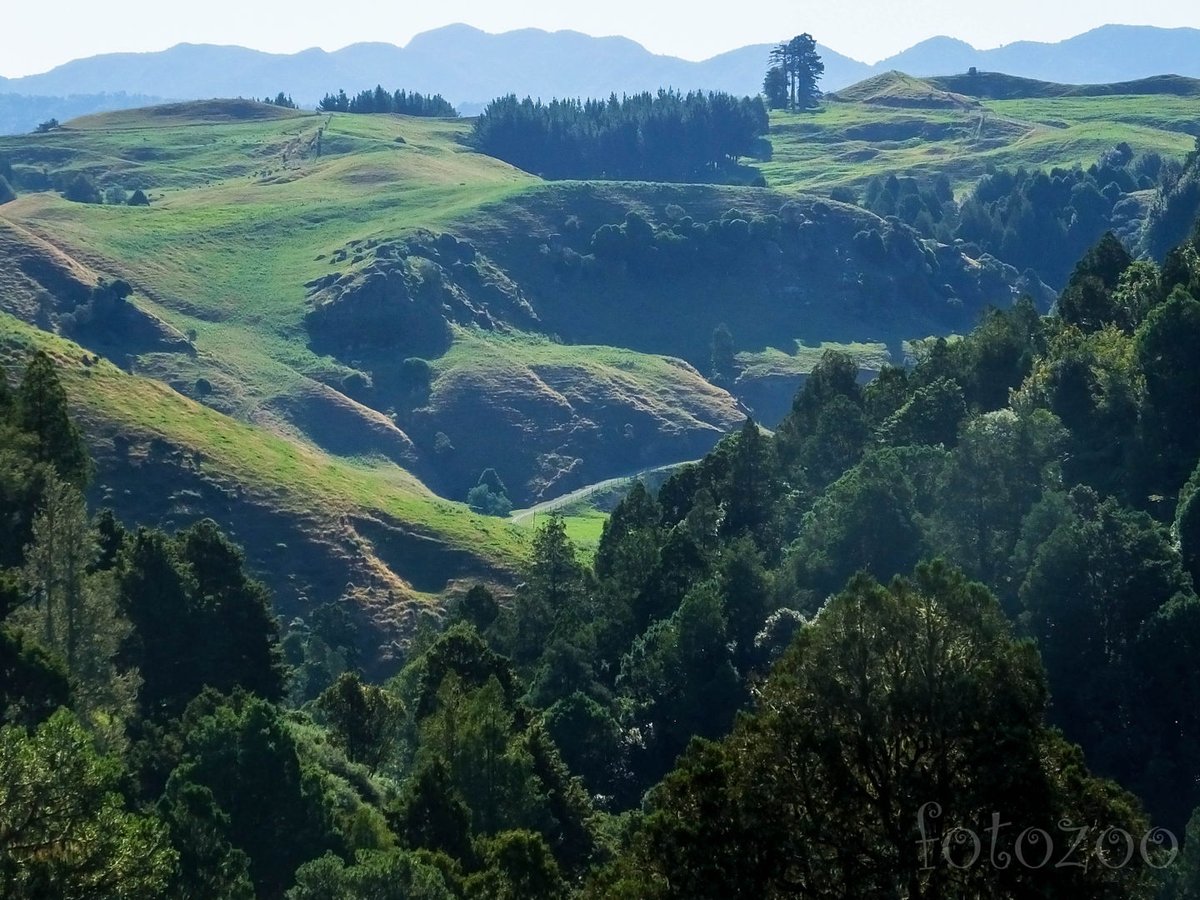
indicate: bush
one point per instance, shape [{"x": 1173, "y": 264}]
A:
[
  {"x": 7, "y": 194},
  {"x": 482, "y": 500},
  {"x": 139, "y": 198},
  {"x": 417, "y": 375},
  {"x": 82, "y": 190},
  {"x": 116, "y": 196},
  {"x": 844, "y": 195},
  {"x": 490, "y": 496}
]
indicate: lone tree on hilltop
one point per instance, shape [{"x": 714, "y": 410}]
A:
[{"x": 796, "y": 69}]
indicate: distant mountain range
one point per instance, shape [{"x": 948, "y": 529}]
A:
[{"x": 470, "y": 67}]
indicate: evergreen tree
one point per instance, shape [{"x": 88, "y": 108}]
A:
[
  {"x": 42, "y": 411},
  {"x": 74, "y": 614},
  {"x": 64, "y": 828},
  {"x": 364, "y": 720}
]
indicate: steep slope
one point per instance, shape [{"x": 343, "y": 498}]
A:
[{"x": 316, "y": 528}]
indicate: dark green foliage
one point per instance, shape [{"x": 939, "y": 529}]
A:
[
  {"x": 363, "y": 719},
  {"x": 1187, "y": 526},
  {"x": 7, "y": 194},
  {"x": 666, "y": 136},
  {"x": 64, "y": 827},
  {"x": 1183, "y": 881},
  {"x": 1168, "y": 345},
  {"x": 199, "y": 620},
  {"x": 931, "y": 416},
  {"x": 1087, "y": 302},
  {"x": 33, "y": 684},
  {"x": 991, "y": 481},
  {"x": 589, "y": 738},
  {"x": 82, "y": 189},
  {"x": 461, "y": 652},
  {"x": 105, "y": 310},
  {"x": 378, "y": 875},
  {"x": 403, "y": 103},
  {"x": 1036, "y": 221},
  {"x": 490, "y": 496},
  {"x": 138, "y": 198},
  {"x": 1097, "y": 582},
  {"x": 319, "y": 649},
  {"x": 281, "y": 99},
  {"x": 241, "y": 751},
  {"x": 209, "y": 866},
  {"x": 517, "y": 866},
  {"x": 432, "y": 815},
  {"x": 867, "y": 521},
  {"x": 723, "y": 362},
  {"x": 835, "y": 377},
  {"x": 837, "y": 756},
  {"x": 417, "y": 377},
  {"x": 795, "y": 73},
  {"x": 775, "y": 88},
  {"x": 478, "y": 608},
  {"x": 42, "y": 411},
  {"x": 551, "y": 601},
  {"x": 1175, "y": 209},
  {"x": 680, "y": 679}
]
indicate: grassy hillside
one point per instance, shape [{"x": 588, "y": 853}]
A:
[
  {"x": 260, "y": 213},
  {"x": 290, "y": 263},
  {"x": 897, "y": 124},
  {"x": 312, "y": 523}
]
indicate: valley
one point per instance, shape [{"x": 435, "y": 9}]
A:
[
  {"x": 560, "y": 332},
  {"x": 598, "y": 493}
]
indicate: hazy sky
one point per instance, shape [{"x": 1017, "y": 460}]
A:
[{"x": 40, "y": 36}]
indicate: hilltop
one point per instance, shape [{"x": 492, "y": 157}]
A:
[{"x": 962, "y": 125}]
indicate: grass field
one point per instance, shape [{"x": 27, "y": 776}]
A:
[
  {"x": 249, "y": 203},
  {"x": 293, "y": 476},
  {"x": 240, "y": 220},
  {"x": 848, "y": 143}
]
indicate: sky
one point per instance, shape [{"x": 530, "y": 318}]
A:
[{"x": 868, "y": 30}]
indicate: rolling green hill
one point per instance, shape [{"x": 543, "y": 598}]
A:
[
  {"x": 897, "y": 124},
  {"x": 292, "y": 268}
]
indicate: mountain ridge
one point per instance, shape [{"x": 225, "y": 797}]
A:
[{"x": 470, "y": 67}]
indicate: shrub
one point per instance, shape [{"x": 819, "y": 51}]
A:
[
  {"x": 139, "y": 198},
  {"x": 82, "y": 190}
]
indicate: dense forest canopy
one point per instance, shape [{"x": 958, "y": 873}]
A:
[
  {"x": 403, "y": 103},
  {"x": 668, "y": 136}
]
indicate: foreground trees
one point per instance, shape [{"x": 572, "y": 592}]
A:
[
  {"x": 900, "y": 715},
  {"x": 64, "y": 828}
]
